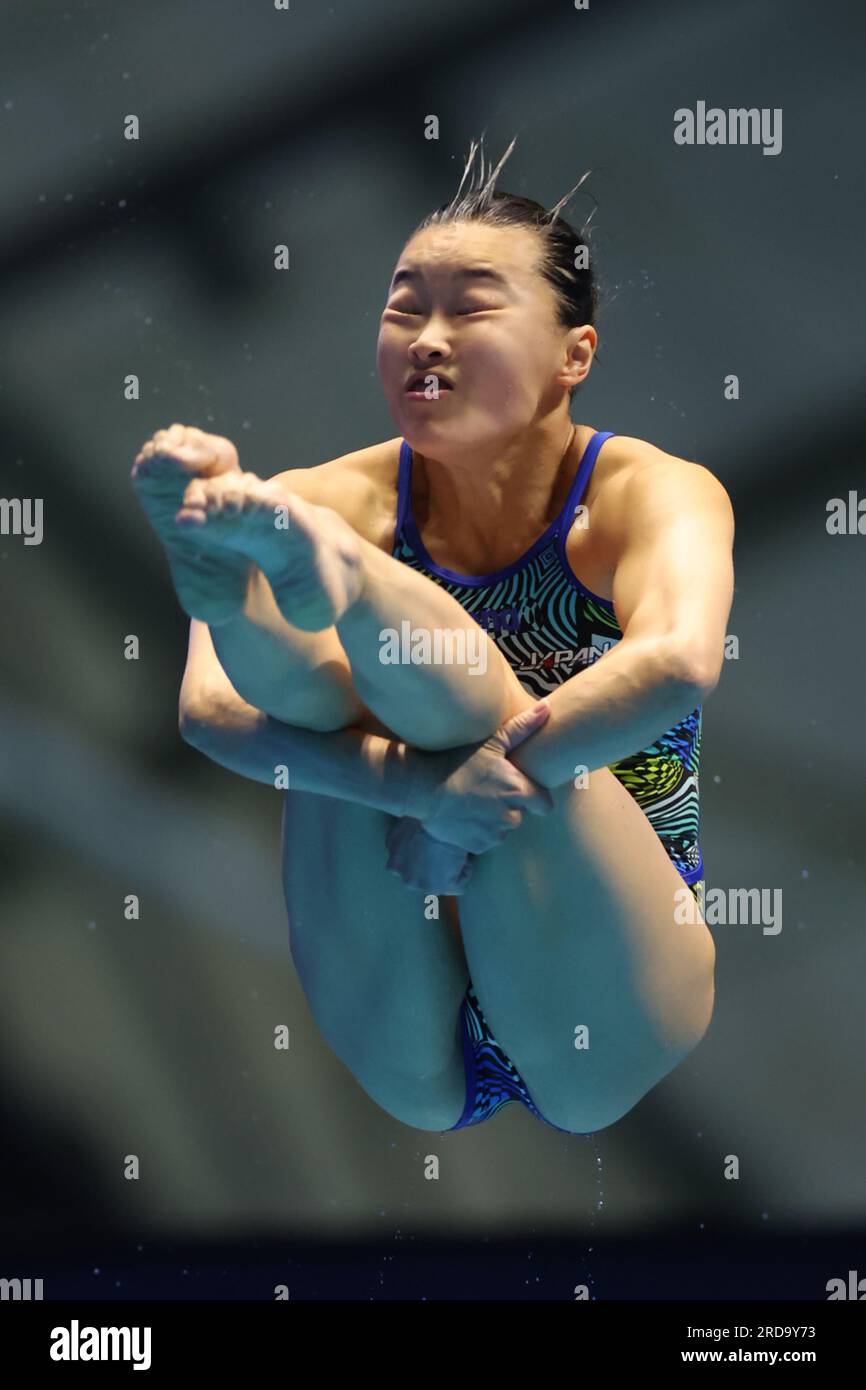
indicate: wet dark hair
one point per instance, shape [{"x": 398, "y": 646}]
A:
[{"x": 576, "y": 288}]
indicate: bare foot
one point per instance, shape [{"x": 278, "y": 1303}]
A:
[
  {"x": 210, "y": 582},
  {"x": 311, "y": 556}
]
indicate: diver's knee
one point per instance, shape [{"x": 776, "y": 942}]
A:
[{"x": 431, "y": 1102}]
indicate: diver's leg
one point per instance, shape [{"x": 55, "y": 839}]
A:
[
  {"x": 419, "y": 662},
  {"x": 301, "y": 678},
  {"x": 238, "y": 634},
  {"x": 381, "y": 965},
  {"x": 574, "y": 924}
]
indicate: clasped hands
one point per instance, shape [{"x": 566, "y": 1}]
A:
[{"x": 465, "y": 802}]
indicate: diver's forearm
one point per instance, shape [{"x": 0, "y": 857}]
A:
[
  {"x": 621, "y": 704},
  {"x": 348, "y": 764}
]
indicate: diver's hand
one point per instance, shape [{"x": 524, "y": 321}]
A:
[
  {"x": 424, "y": 863},
  {"x": 472, "y": 797}
]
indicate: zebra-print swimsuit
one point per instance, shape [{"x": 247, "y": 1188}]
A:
[{"x": 548, "y": 626}]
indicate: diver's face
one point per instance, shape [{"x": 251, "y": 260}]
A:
[{"x": 468, "y": 307}]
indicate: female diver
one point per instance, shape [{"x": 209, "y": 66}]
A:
[{"x": 377, "y": 632}]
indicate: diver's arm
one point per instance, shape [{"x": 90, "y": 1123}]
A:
[
  {"x": 673, "y": 584},
  {"x": 345, "y": 763}
]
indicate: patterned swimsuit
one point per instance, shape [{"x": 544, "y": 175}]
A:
[{"x": 548, "y": 626}]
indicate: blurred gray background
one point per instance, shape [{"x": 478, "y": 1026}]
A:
[{"x": 306, "y": 127}]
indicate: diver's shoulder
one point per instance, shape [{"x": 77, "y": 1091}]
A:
[
  {"x": 360, "y": 485},
  {"x": 628, "y": 458},
  {"x": 375, "y": 463},
  {"x": 625, "y": 451}
]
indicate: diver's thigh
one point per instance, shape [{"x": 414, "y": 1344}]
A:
[
  {"x": 384, "y": 979},
  {"x": 572, "y": 922}
]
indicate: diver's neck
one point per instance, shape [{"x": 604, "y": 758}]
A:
[{"x": 511, "y": 485}]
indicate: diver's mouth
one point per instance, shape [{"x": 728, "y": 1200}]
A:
[{"x": 418, "y": 383}]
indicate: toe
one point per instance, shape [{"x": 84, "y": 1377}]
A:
[
  {"x": 196, "y": 494},
  {"x": 233, "y": 498}
]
